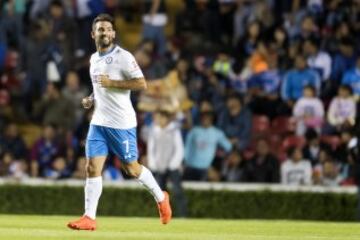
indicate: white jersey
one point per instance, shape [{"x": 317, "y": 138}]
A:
[{"x": 113, "y": 107}]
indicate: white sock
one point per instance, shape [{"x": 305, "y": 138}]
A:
[
  {"x": 147, "y": 179},
  {"x": 93, "y": 189}
]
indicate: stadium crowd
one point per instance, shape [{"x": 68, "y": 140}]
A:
[{"x": 259, "y": 91}]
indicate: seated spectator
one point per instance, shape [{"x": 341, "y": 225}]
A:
[
  {"x": 80, "y": 171},
  {"x": 200, "y": 148},
  {"x": 342, "y": 110},
  {"x": 317, "y": 59},
  {"x": 53, "y": 105},
  {"x": 308, "y": 112},
  {"x": 13, "y": 168},
  {"x": 263, "y": 167},
  {"x": 264, "y": 91},
  {"x": 296, "y": 170},
  {"x": 58, "y": 170},
  {"x": 314, "y": 146},
  {"x": 295, "y": 80},
  {"x": 344, "y": 61},
  {"x": 233, "y": 167},
  {"x": 331, "y": 175},
  {"x": 13, "y": 142},
  {"x": 236, "y": 122},
  {"x": 74, "y": 92},
  {"x": 44, "y": 152},
  {"x": 352, "y": 78}
]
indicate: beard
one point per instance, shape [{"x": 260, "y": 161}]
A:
[{"x": 104, "y": 41}]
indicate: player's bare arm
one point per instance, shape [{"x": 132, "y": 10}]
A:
[{"x": 133, "y": 84}]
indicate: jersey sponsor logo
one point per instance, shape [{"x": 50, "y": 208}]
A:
[{"x": 108, "y": 60}]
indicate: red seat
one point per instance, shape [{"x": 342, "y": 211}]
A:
[
  {"x": 293, "y": 141},
  {"x": 333, "y": 141},
  {"x": 282, "y": 125},
  {"x": 260, "y": 124}
]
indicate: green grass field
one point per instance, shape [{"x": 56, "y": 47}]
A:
[{"x": 16, "y": 227}]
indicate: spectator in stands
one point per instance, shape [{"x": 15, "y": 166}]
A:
[
  {"x": 12, "y": 167},
  {"x": 280, "y": 45},
  {"x": 263, "y": 167},
  {"x": 80, "y": 169},
  {"x": 342, "y": 153},
  {"x": 74, "y": 92},
  {"x": 153, "y": 69},
  {"x": 52, "y": 105},
  {"x": 305, "y": 29},
  {"x": 344, "y": 61},
  {"x": 263, "y": 88},
  {"x": 165, "y": 153},
  {"x": 317, "y": 59},
  {"x": 352, "y": 78},
  {"x": 44, "y": 152},
  {"x": 236, "y": 122},
  {"x": 58, "y": 170},
  {"x": 200, "y": 147},
  {"x": 247, "y": 44},
  {"x": 63, "y": 35},
  {"x": 314, "y": 146},
  {"x": 13, "y": 142},
  {"x": 295, "y": 80},
  {"x": 342, "y": 110},
  {"x": 296, "y": 170},
  {"x": 308, "y": 111},
  {"x": 36, "y": 47},
  {"x": 233, "y": 167},
  {"x": 154, "y": 21},
  {"x": 331, "y": 175}
]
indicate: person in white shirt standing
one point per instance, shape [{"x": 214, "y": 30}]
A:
[
  {"x": 165, "y": 153},
  {"x": 114, "y": 72},
  {"x": 296, "y": 170}
]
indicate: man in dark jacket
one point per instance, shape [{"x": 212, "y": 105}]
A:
[{"x": 263, "y": 167}]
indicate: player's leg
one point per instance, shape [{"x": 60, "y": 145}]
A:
[
  {"x": 96, "y": 153},
  {"x": 144, "y": 176},
  {"x": 124, "y": 145},
  {"x": 93, "y": 185}
]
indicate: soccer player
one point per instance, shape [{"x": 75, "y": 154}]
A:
[{"x": 114, "y": 72}]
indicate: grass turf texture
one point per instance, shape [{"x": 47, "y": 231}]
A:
[{"x": 16, "y": 227}]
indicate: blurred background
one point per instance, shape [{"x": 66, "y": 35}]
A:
[{"x": 259, "y": 91}]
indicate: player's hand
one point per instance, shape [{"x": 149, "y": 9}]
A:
[
  {"x": 104, "y": 81},
  {"x": 87, "y": 102}
]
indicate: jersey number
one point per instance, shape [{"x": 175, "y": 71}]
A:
[{"x": 126, "y": 143}]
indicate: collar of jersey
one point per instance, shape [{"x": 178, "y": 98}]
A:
[{"x": 108, "y": 52}]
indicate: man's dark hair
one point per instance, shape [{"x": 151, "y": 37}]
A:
[
  {"x": 56, "y": 3},
  {"x": 347, "y": 88},
  {"x": 103, "y": 18},
  {"x": 311, "y": 134}
]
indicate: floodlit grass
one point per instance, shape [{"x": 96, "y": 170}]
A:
[{"x": 20, "y": 227}]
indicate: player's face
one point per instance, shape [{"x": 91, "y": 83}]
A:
[{"x": 103, "y": 34}]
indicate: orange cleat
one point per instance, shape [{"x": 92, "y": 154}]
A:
[
  {"x": 84, "y": 223},
  {"x": 165, "y": 209}
]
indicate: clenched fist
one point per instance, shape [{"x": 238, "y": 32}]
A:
[
  {"x": 104, "y": 81},
  {"x": 87, "y": 102}
]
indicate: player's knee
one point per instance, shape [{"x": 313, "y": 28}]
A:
[
  {"x": 132, "y": 171},
  {"x": 91, "y": 170}
]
